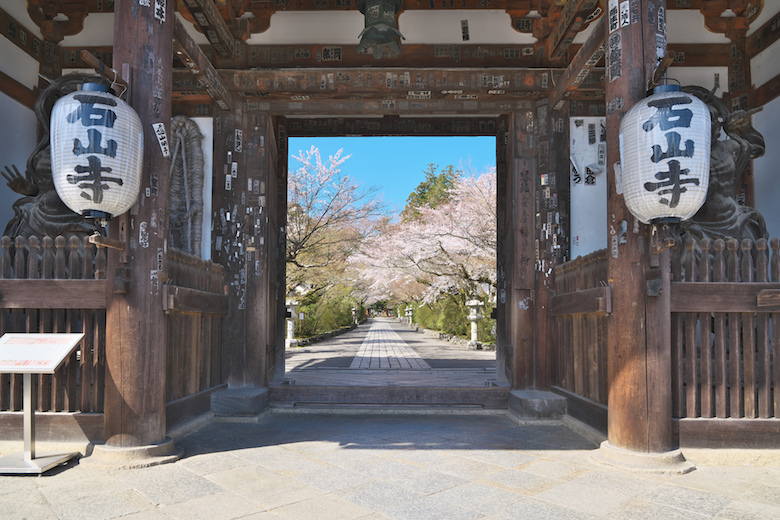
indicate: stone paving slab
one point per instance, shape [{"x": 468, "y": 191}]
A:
[{"x": 389, "y": 466}]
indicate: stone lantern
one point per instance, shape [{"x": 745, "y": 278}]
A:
[
  {"x": 475, "y": 315},
  {"x": 292, "y": 306},
  {"x": 355, "y": 315}
]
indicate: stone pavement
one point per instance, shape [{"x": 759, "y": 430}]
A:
[
  {"x": 450, "y": 466},
  {"x": 383, "y": 348}
]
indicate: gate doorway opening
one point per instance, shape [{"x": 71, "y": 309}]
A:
[{"x": 420, "y": 179}]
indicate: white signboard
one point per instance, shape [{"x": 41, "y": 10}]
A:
[
  {"x": 587, "y": 162},
  {"x": 35, "y": 353}
]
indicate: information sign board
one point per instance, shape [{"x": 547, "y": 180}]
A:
[{"x": 35, "y": 353}]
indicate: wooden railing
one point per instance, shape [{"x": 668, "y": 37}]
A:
[
  {"x": 56, "y": 285},
  {"x": 195, "y": 298},
  {"x": 725, "y": 302},
  {"x": 580, "y": 306}
]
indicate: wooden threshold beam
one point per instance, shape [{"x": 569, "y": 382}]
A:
[
  {"x": 200, "y": 66},
  {"x": 583, "y": 63}
]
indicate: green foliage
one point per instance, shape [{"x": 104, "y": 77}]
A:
[
  {"x": 449, "y": 317},
  {"x": 325, "y": 311},
  {"x": 432, "y": 192}
]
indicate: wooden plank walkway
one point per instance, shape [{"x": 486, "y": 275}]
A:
[{"x": 383, "y": 348}]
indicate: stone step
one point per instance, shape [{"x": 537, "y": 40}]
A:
[{"x": 492, "y": 397}]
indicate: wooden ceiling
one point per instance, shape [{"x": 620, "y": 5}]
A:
[{"x": 424, "y": 78}]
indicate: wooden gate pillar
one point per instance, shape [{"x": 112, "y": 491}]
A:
[
  {"x": 516, "y": 192},
  {"x": 245, "y": 240},
  {"x": 136, "y": 332},
  {"x": 639, "y": 361}
]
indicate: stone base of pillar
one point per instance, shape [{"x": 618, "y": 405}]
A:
[
  {"x": 474, "y": 345},
  {"x": 668, "y": 463},
  {"x": 289, "y": 343},
  {"x": 112, "y": 457}
]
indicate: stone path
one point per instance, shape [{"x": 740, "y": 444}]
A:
[
  {"x": 403, "y": 466},
  {"x": 383, "y": 348}
]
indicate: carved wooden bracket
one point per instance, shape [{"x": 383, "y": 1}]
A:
[
  {"x": 733, "y": 24},
  {"x": 44, "y": 12}
]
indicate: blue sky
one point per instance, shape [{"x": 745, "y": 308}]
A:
[{"x": 396, "y": 164}]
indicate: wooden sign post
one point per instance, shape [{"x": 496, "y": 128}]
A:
[{"x": 29, "y": 354}]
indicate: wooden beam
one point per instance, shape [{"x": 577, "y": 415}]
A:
[
  {"x": 567, "y": 26},
  {"x": 183, "y": 299},
  {"x": 200, "y": 105},
  {"x": 579, "y": 68},
  {"x": 765, "y": 93},
  {"x": 19, "y": 36},
  {"x": 389, "y": 125},
  {"x": 52, "y": 294},
  {"x": 213, "y": 25},
  {"x": 198, "y": 64},
  {"x": 412, "y": 55},
  {"x": 721, "y": 297},
  {"x": 390, "y": 84},
  {"x": 700, "y": 55},
  {"x": 764, "y": 37},
  {"x": 15, "y": 90},
  {"x": 761, "y": 434},
  {"x": 587, "y": 301}
]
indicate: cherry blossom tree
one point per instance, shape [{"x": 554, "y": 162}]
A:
[
  {"x": 449, "y": 249},
  {"x": 328, "y": 216}
]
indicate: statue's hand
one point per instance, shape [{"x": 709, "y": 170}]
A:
[
  {"x": 19, "y": 184},
  {"x": 740, "y": 119}
]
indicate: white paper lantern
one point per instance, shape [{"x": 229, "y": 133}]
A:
[
  {"x": 96, "y": 152},
  {"x": 665, "y": 156}
]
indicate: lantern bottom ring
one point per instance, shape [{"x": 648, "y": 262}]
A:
[
  {"x": 94, "y": 214},
  {"x": 665, "y": 220}
]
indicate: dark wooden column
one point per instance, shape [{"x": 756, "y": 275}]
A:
[
  {"x": 244, "y": 239},
  {"x": 517, "y": 250},
  {"x": 739, "y": 87},
  {"x": 552, "y": 183},
  {"x": 640, "y": 414},
  {"x": 136, "y": 324}
]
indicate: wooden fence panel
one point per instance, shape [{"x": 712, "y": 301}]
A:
[
  {"x": 727, "y": 355},
  {"x": 196, "y": 302},
  {"x": 78, "y": 385},
  {"x": 580, "y": 305}
]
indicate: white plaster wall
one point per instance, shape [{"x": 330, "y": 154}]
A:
[
  {"x": 98, "y": 30},
  {"x": 687, "y": 26},
  {"x": 206, "y": 126},
  {"x": 18, "y": 64},
  {"x": 771, "y": 8},
  {"x": 766, "y": 65},
  {"x": 18, "y": 137},
  {"x": 701, "y": 76},
  {"x": 588, "y": 202},
  {"x": 485, "y": 27},
  {"x": 18, "y": 10},
  {"x": 766, "y": 169},
  {"x": 344, "y": 28},
  {"x": 334, "y": 27}
]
